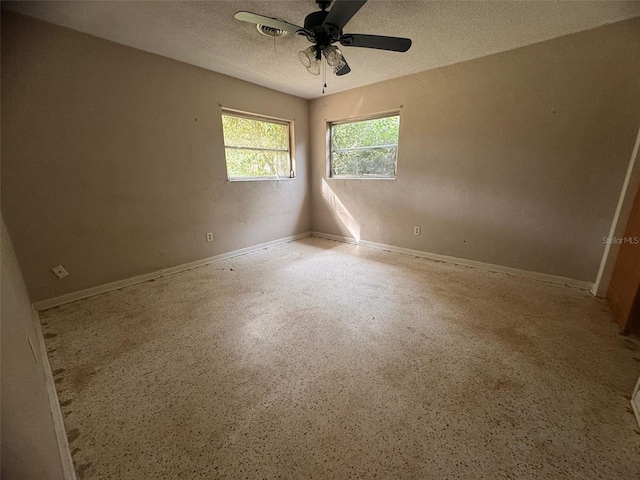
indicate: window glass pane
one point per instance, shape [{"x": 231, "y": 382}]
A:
[
  {"x": 257, "y": 163},
  {"x": 365, "y": 148},
  {"x": 256, "y": 148},
  {"x": 247, "y": 132},
  {"x": 366, "y": 133},
  {"x": 379, "y": 162}
]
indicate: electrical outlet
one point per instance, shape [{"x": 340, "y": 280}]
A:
[
  {"x": 209, "y": 236},
  {"x": 416, "y": 230},
  {"x": 60, "y": 271}
]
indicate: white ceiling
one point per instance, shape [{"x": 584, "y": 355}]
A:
[{"x": 443, "y": 32}]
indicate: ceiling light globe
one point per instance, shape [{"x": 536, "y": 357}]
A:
[
  {"x": 308, "y": 58},
  {"x": 334, "y": 57}
]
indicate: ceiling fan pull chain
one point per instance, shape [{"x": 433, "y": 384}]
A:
[{"x": 324, "y": 76}]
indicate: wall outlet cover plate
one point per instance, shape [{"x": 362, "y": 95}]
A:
[{"x": 60, "y": 271}]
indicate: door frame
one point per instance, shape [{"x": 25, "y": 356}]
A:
[{"x": 635, "y": 401}]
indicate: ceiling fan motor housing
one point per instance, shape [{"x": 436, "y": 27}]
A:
[
  {"x": 315, "y": 19},
  {"x": 323, "y": 34}
]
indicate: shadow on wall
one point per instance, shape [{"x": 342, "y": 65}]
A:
[{"x": 339, "y": 211}]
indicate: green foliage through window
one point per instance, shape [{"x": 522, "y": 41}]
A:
[
  {"x": 256, "y": 148},
  {"x": 365, "y": 148}
]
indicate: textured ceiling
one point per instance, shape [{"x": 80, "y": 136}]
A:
[{"x": 445, "y": 32}]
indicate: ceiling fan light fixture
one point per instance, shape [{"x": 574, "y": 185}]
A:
[
  {"x": 308, "y": 58},
  {"x": 334, "y": 57},
  {"x": 323, "y": 28}
]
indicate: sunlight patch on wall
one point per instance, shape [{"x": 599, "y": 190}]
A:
[{"x": 339, "y": 211}]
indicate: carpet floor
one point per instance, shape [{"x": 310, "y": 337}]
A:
[{"x": 319, "y": 359}]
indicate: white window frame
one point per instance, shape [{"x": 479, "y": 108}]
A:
[
  {"x": 262, "y": 118},
  {"x": 394, "y": 113}
]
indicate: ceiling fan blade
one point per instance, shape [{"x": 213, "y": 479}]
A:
[
  {"x": 342, "y": 11},
  {"x": 395, "y": 44},
  {"x": 267, "y": 21},
  {"x": 344, "y": 70}
]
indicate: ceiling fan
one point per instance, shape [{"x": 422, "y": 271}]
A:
[{"x": 323, "y": 29}]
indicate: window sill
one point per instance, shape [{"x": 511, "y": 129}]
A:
[
  {"x": 261, "y": 179},
  {"x": 345, "y": 177}
]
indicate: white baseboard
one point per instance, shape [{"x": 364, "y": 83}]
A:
[
  {"x": 68, "y": 471},
  {"x": 107, "y": 287},
  {"x": 90, "y": 292},
  {"x": 545, "y": 277}
]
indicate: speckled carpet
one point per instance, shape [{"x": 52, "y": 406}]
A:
[{"x": 318, "y": 359}]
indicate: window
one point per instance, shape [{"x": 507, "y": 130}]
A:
[
  {"x": 365, "y": 148},
  {"x": 256, "y": 147}
]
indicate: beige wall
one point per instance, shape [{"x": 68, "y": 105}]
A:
[
  {"x": 29, "y": 448},
  {"x": 113, "y": 160},
  {"x": 515, "y": 159}
]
